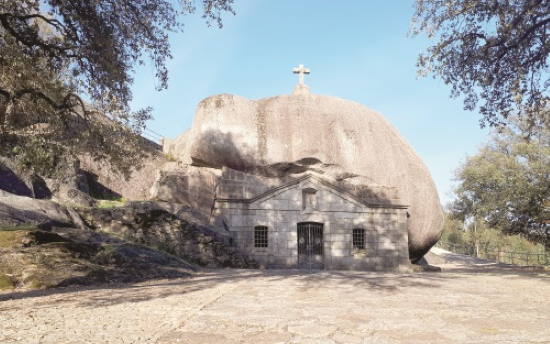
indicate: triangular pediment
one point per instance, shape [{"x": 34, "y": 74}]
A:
[{"x": 310, "y": 181}]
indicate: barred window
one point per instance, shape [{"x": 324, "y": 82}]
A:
[
  {"x": 359, "y": 238},
  {"x": 260, "y": 236}
]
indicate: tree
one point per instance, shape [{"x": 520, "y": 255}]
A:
[
  {"x": 56, "y": 53},
  {"x": 507, "y": 184},
  {"x": 493, "y": 52}
]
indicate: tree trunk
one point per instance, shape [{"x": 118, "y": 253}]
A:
[{"x": 476, "y": 241}]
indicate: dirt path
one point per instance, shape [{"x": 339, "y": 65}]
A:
[{"x": 466, "y": 303}]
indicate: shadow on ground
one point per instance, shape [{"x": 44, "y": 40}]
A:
[{"x": 307, "y": 280}]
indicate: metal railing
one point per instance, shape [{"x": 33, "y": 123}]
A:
[
  {"x": 152, "y": 136},
  {"x": 499, "y": 256}
]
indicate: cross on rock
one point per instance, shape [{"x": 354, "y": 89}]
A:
[{"x": 301, "y": 71}]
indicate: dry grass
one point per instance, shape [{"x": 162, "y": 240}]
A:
[
  {"x": 6, "y": 282},
  {"x": 10, "y": 239}
]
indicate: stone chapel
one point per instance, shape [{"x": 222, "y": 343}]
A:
[{"x": 305, "y": 181}]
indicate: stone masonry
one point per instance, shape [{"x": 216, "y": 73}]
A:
[{"x": 241, "y": 205}]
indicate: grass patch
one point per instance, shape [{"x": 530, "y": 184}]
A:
[
  {"x": 170, "y": 157},
  {"x": 21, "y": 227},
  {"x": 10, "y": 239},
  {"x": 6, "y": 282},
  {"x": 107, "y": 204}
]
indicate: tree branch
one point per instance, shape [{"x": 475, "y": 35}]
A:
[
  {"x": 53, "y": 22},
  {"x": 31, "y": 41}
]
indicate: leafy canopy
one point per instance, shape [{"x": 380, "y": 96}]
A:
[
  {"x": 493, "y": 52},
  {"x": 508, "y": 182},
  {"x": 56, "y": 51}
]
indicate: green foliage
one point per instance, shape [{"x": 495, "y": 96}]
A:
[
  {"x": 494, "y": 53},
  {"x": 55, "y": 53},
  {"x": 99, "y": 42},
  {"x": 453, "y": 232},
  {"x": 480, "y": 240},
  {"x": 507, "y": 184},
  {"x": 170, "y": 157},
  {"x": 35, "y": 153}
]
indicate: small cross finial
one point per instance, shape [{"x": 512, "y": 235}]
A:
[{"x": 301, "y": 71}]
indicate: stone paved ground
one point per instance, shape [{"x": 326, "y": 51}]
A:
[{"x": 463, "y": 304}]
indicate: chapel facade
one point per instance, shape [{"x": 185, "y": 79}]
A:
[{"x": 307, "y": 222}]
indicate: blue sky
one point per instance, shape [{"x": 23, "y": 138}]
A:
[{"x": 357, "y": 50}]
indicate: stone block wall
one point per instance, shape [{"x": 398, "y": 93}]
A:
[{"x": 386, "y": 245}]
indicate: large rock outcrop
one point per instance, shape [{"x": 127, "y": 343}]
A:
[
  {"x": 150, "y": 224},
  {"x": 46, "y": 244},
  {"x": 292, "y": 134}
]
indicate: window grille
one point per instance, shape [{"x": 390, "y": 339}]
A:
[
  {"x": 260, "y": 236},
  {"x": 359, "y": 238}
]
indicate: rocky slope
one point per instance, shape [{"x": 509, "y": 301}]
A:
[
  {"x": 46, "y": 244},
  {"x": 33, "y": 258},
  {"x": 149, "y": 223}
]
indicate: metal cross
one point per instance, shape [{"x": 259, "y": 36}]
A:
[{"x": 301, "y": 71}]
